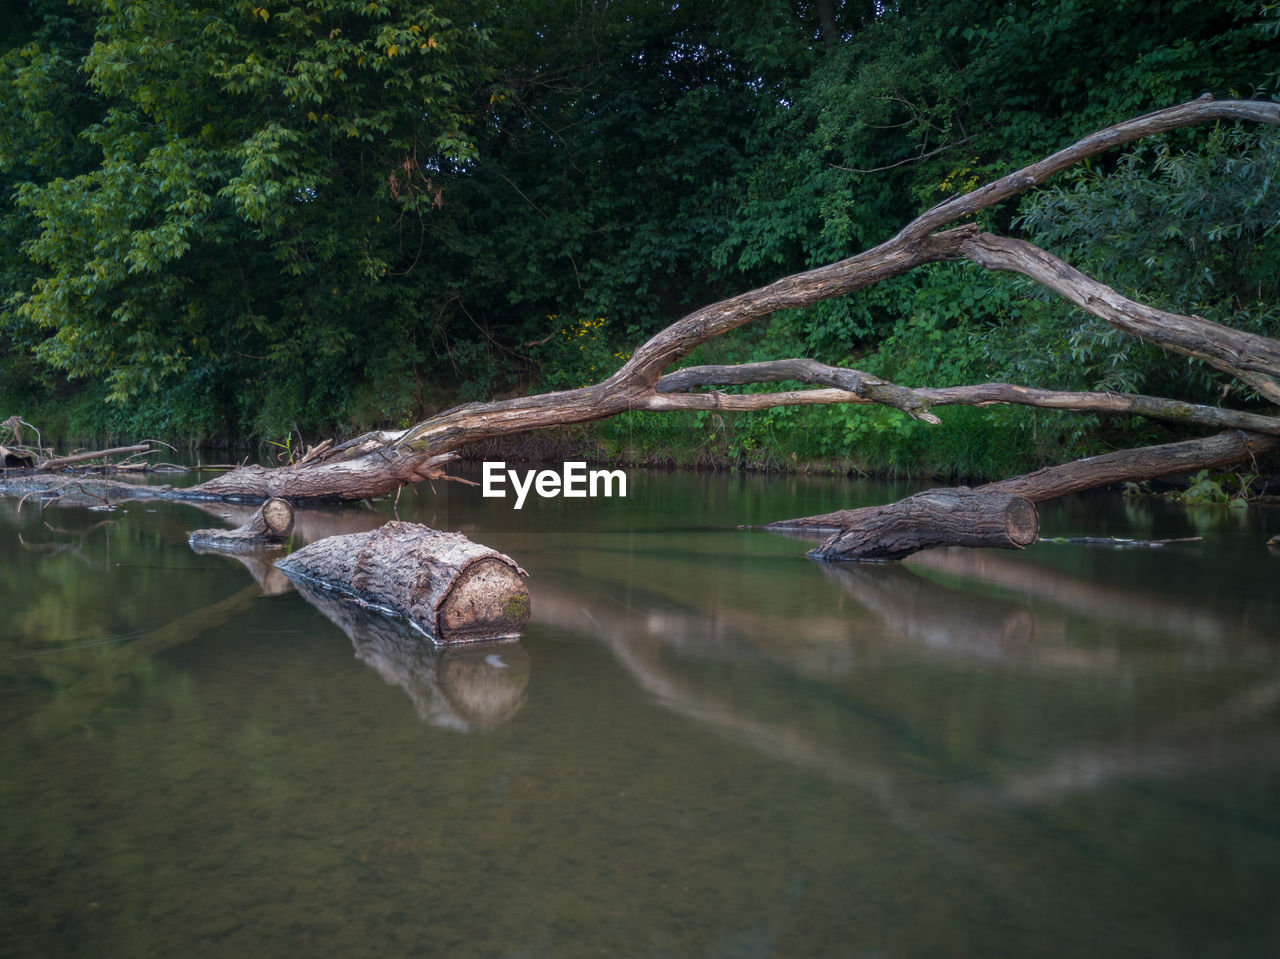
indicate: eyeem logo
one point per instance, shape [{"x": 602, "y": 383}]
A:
[{"x": 572, "y": 482}]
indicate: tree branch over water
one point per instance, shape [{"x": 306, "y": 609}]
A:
[{"x": 381, "y": 462}]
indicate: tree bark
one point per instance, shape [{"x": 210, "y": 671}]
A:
[
  {"x": 268, "y": 527},
  {"x": 1094, "y": 472},
  {"x": 1138, "y": 465},
  {"x": 455, "y": 590},
  {"x": 939, "y": 517}
]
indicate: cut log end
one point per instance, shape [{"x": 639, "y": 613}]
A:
[
  {"x": 267, "y": 528},
  {"x": 940, "y": 517},
  {"x": 488, "y": 599}
]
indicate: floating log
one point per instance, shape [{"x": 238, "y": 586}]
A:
[
  {"x": 453, "y": 589},
  {"x": 939, "y": 517},
  {"x": 269, "y": 526}
]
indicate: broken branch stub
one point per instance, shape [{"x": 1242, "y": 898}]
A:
[
  {"x": 939, "y": 517},
  {"x": 455, "y": 590}
]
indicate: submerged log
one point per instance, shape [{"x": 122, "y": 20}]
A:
[
  {"x": 451, "y": 588},
  {"x": 268, "y": 527},
  {"x": 940, "y": 517}
]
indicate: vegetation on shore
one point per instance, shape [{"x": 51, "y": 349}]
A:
[{"x": 268, "y": 222}]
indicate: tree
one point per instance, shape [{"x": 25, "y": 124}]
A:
[{"x": 257, "y": 172}]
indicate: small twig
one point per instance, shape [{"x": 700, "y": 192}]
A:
[{"x": 81, "y": 457}]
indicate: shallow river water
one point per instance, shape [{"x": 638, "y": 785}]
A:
[{"x": 705, "y": 744}]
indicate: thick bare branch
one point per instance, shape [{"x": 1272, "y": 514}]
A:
[
  {"x": 1203, "y": 110},
  {"x": 1253, "y": 359},
  {"x": 1094, "y": 472},
  {"x": 856, "y": 387},
  {"x": 862, "y": 385},
  {"x": 916, "y": 244}
]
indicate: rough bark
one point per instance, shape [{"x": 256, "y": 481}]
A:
[
  {"x": 1094, "y": 472},
  {"x": 940, "y": 517},
  {"x": 268, "y": 527},
  {"x": 854, "y": 387},
  {"x": 1137, "y": 465},
  {"x": 451, "y": 588}
]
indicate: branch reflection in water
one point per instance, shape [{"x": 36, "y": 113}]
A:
[{"x": 1032, "y": 629}]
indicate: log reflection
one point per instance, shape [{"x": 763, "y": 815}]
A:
[
  {"x": 464, "y": 688},
  {"x": 261, "y": 566}
]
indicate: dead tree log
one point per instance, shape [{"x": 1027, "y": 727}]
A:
[
  {"x": 268, "y": 527},
  {"x": 1093, "y": 472},
  {"x": 455, "y": 590},
  {"x": 939, "y": 517}
]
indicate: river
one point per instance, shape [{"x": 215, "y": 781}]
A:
[{"x": 705, "y": 744}]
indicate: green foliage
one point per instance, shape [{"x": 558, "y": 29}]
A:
[
  {"x": 1194, "y": 230},
  {"x": 278, "y": 220},
  {"x": 263, "y": 179}
]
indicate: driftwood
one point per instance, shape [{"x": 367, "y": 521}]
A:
[
  {"x": 451, "y": 588},
  {"x": 908, "y": 525},
  {"x": 268, "y": 527},
  {"x": 940, "y": 517}
]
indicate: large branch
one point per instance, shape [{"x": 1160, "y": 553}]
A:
[
  {"x": 1203, "y": 110},
  {"x": 1253, "y": 359},
  {"x": 855, "y": 387},
  {"x": 863, "y": 386},
  {"x": 915, "y": 245},
  {"x": 1093, "y": 472}
]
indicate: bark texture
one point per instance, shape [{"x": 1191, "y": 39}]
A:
[
  {"x": 940, "y": 517},
  {"x": 1094, "y": 472},
  {"x": 453, "y": 589},
  {"x": 268, "y": 527}
]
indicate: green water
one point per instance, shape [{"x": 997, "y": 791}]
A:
[{"x": 704, "y": 745}]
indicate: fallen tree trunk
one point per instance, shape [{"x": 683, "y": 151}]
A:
[
  {"x": 268, "y": 527},
  {"x": 455, "y": 590},
  {"x": 1093, "y": 472},
  {"x": 939, "y": 517}
]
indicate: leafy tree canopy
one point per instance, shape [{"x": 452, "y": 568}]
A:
[{"x": 240, "y": 217}]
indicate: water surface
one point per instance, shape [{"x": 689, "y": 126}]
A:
[{"x": 704, "y": 745}]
